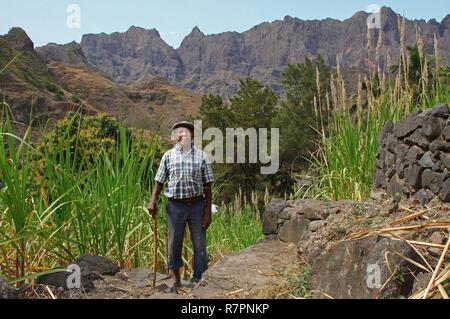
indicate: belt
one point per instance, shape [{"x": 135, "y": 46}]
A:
[{"x": 189, "y": 200}]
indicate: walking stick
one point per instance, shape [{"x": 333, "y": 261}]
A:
[{"x": 155, "y": 238}]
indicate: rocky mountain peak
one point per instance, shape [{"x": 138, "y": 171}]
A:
[
  {"x": 18, "y": 40},
  {"x": 70, "y": 53},
  {"x": 196, "y": 31},
  {"x": 143, "y": 32},
  {"x": 216, "y": 62}
]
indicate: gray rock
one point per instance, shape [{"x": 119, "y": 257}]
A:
[
  {"x": 59, "y": 280},
  {"x": 445, "y": 191},
  {"x": 437, "y": 145},
  {"x": 294, "y": 229},
  {"x": 380, "y": 179},
  {"x": 445, "y": 160},
  {"x": 401, "y": 151},
  {"x": 432, "y": 127},
  {"x": 92, "y": 268},
  {"x": 400, "y": 168},
  {"x": 406, "y": 126},
  {"x": 445, "y": 175},
  {"x": 426, "y": 161},
  {"x": 413, "y": 176},
  {"x": 382, "y": 158},
  {"x": 391, "y": 143},
  {"x": 390, "y": 160},
  {"x": 385, "y": 131},
  {"x": 395, "y": 186},
  {"x": 421, "y": 282},
  {"x": 270, "y": 222},
  {"x": 316, "y": 225},
  {"x": 431, "y": 180},
  {"x": 446, "y": 133},
  {"x": 285, "y": 214},
  {"x": 7, "y": 291},
  {"x": 391, "y": 172},
  {"x": 418, "y": 138},
  {"x": 413, "y": 154},
  {"x": 313, "y": 212},
  {"x": 423, "y": 196},
  {"x": 435, "y": 252},
  {"x": 440, "y": 110},
  {"x": 96, "y": 265},
  {"x": 346, "y": 271},
  {"x": 437, "y": 238},
  {"x": 438, "y": 167}
]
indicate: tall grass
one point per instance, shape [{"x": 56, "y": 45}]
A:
[
  {"x": 345, "y": 161},
  {"x": 59, "y": 201}
]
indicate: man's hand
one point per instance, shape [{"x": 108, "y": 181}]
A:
[
  {"x": 206, "y": 219},
  {"x": 152, "y": 208}
]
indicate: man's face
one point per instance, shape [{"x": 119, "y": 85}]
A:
[{"x": 182, "y": 135}]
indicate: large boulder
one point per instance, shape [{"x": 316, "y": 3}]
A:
[
  {"x": 270, "y": 223},
  {"x": 7, "y": 291},
  {"x": 358, "y": 268},
  {"x": 96, "y": 265},
  {"x": 91, "y": 268},
  {"x": 60, "y": 279},
  {"x": 294, "y": 230}
]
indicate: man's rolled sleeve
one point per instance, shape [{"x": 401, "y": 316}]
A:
[
  {"x": 162, "y": 173},
  {"x": 207, "y": 172}
]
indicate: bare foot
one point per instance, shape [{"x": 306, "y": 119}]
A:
[{"x": 173, "y": 286}]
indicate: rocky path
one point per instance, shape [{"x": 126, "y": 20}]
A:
[{"x": 251, "y": 273}]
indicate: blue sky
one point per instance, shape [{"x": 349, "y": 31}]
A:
[{"x": 45, "y": 20}]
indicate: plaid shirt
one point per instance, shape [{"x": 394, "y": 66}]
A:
[{"x": 187, "y": 173}]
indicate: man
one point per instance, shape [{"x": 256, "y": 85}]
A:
[{"x": 189, "y": 192}]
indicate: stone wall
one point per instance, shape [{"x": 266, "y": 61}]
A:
[
  {"x": 413, "y": 158},
  {"x": 338, "y": 267},
  {"x": 294, "y": 221}
]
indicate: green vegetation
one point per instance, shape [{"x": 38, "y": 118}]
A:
[
  {"x": 75, "y": 99},
  {"x": 83, "y": 188},
  {"x": 344, "y": 163},
  {"x": 292, "y": 281},
  {"x": 256, "y": 106},
  {"x": 306, "y": 88},
  {"x": 299, "y": 283}
]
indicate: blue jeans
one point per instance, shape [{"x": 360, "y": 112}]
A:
[{"x": 178, "y": 215}]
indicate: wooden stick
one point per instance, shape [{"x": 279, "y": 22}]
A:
[
  {"x": 416, "y": 250},
  {"x": 415, "y": 263},
  {"x": 431, "y": 225},
  {"x": 422, "y": 243},
  {"x": 155, "y": 238},
  {"x": 50, "y": 292},
  {"x": 442, "y": 277},
  {"x": 443, "y": 292},
  {"x": 234, "y": 292},
  {"x": 378, "y": 295},
  {"x": 438, "y": 266},
  {"x": 409, "y": 217}
]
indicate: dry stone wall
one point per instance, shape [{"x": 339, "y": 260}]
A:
[{"x": 413, "y": 158}]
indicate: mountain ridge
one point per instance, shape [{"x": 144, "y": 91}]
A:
[{"x": 214, "y": 63}]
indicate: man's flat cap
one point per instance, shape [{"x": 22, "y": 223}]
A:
[{"x": 186, "y": 124}]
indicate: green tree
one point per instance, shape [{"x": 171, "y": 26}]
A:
[
  {"x": 298, "y": 118},
  {"x": 253, "y": 106}
]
